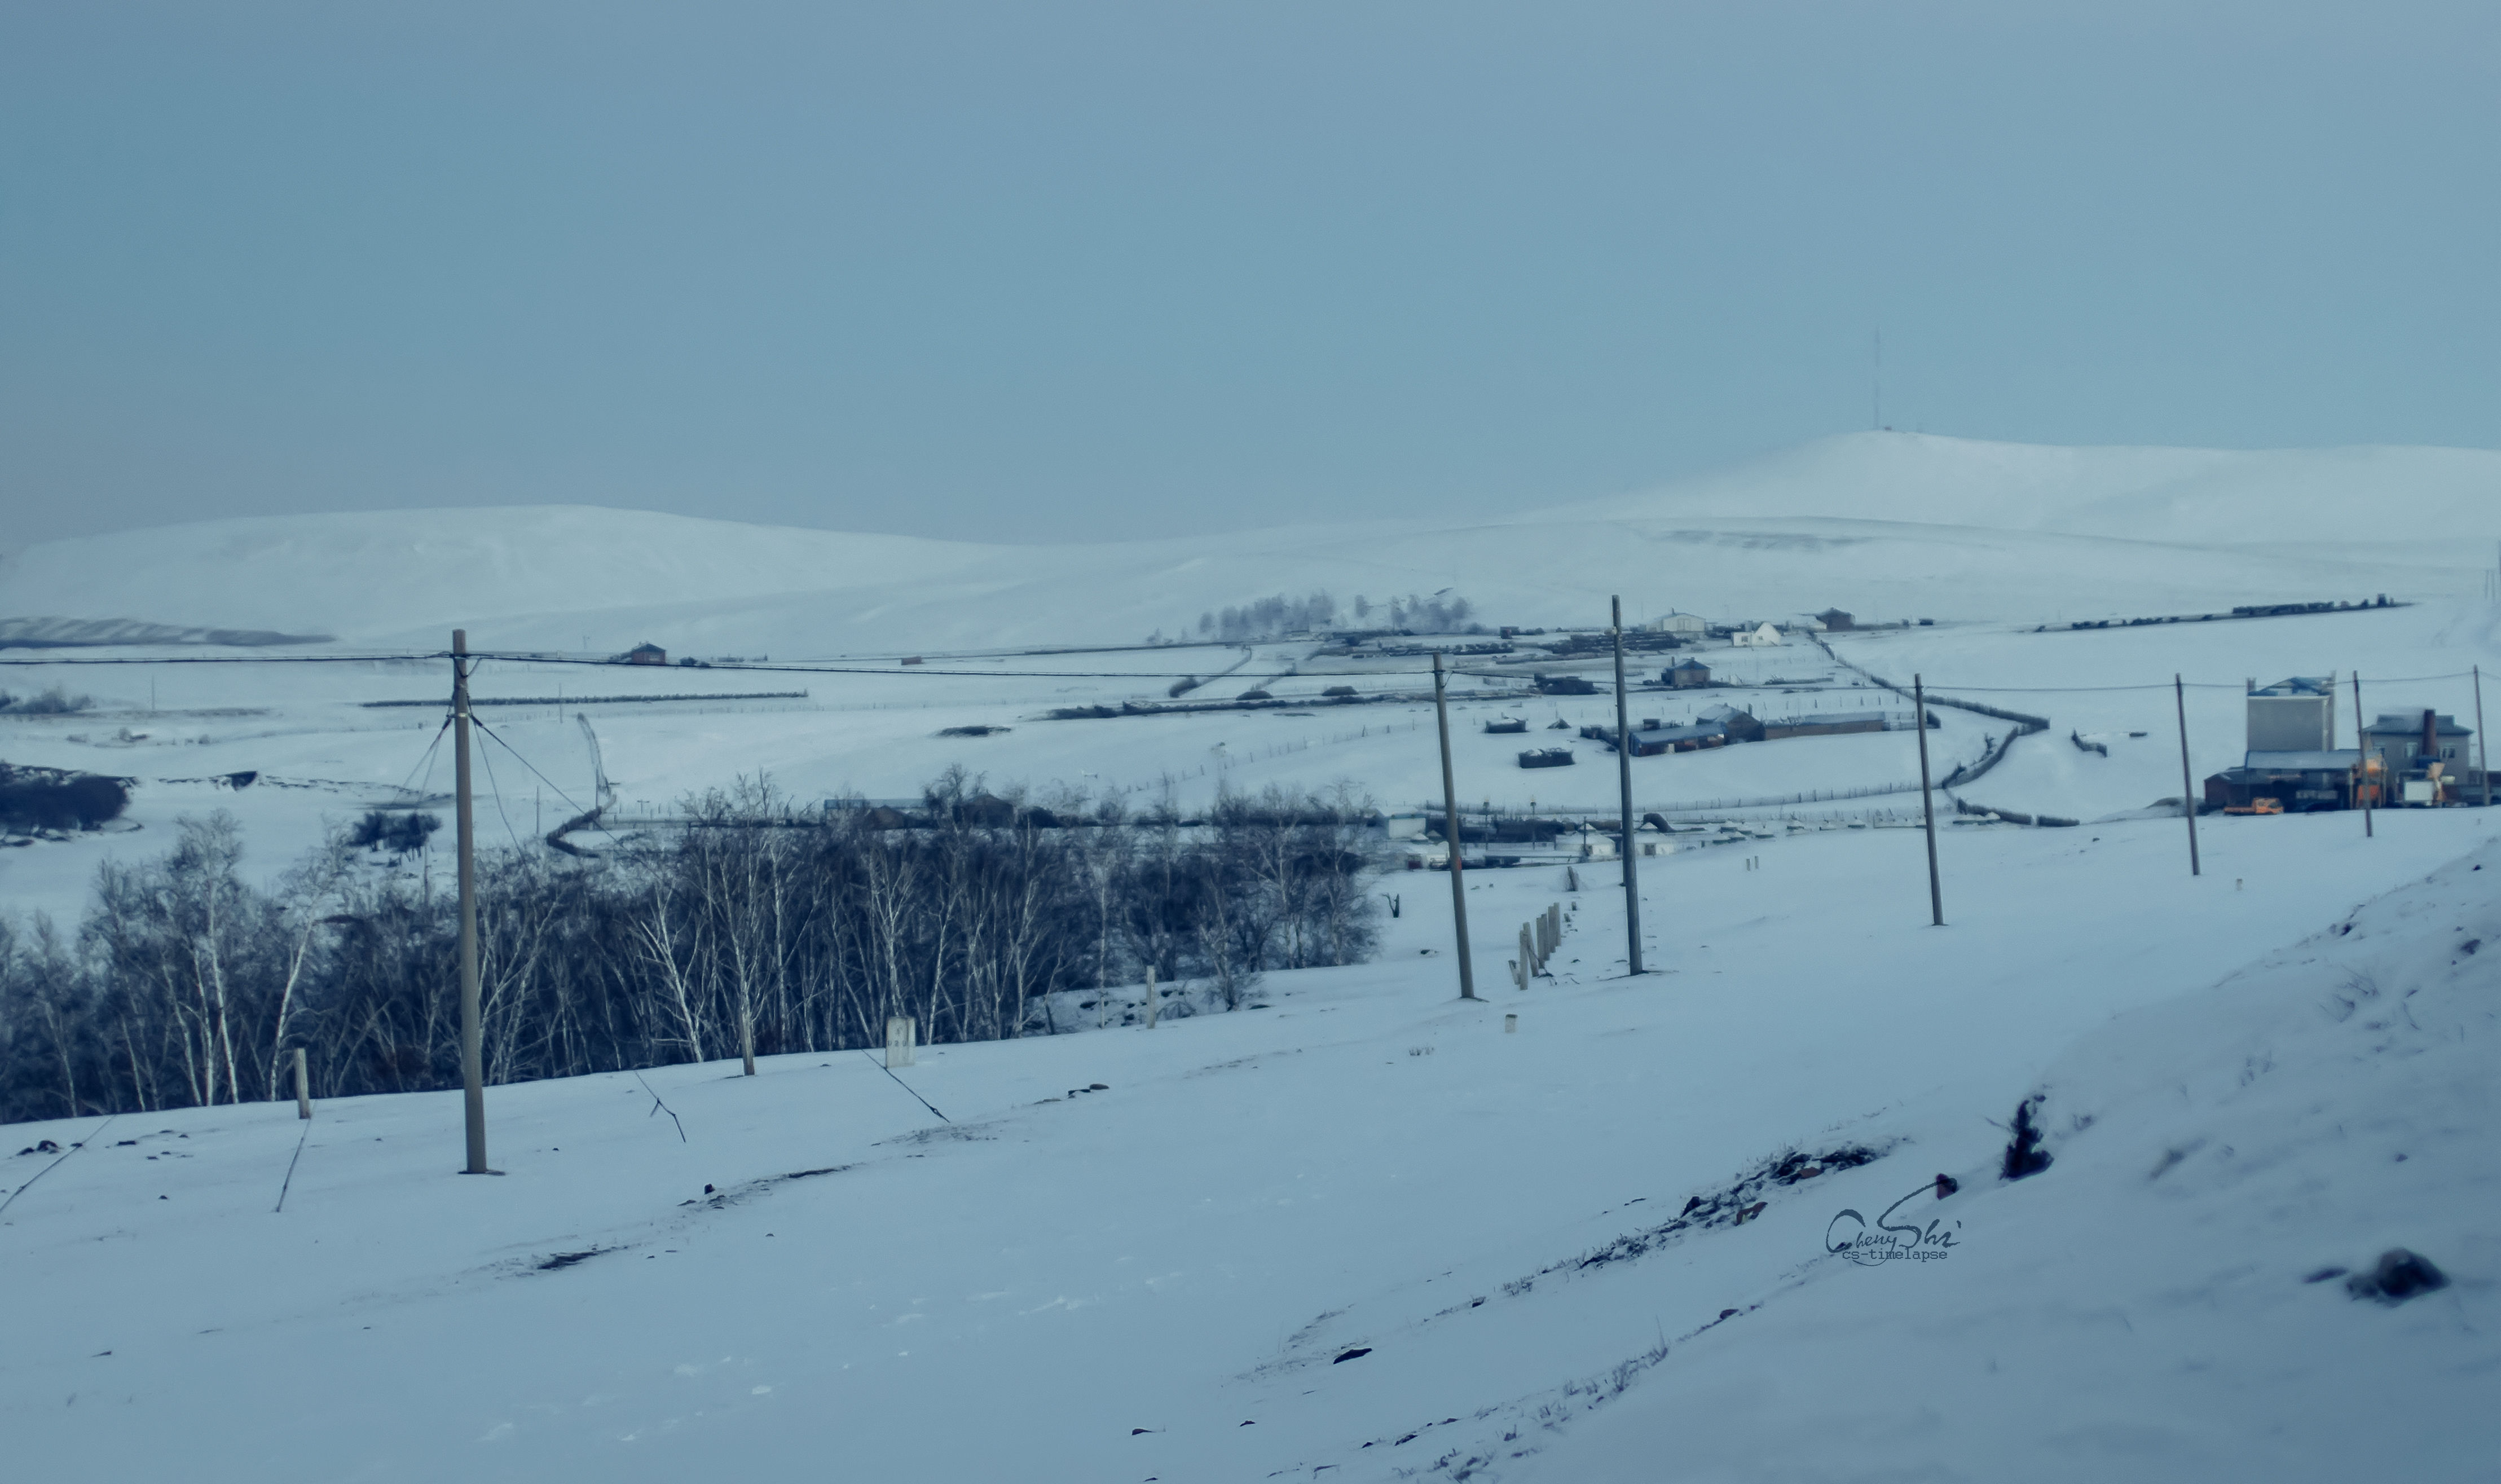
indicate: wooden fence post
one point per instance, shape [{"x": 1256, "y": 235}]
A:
[{"x": 303, "y": 1087}]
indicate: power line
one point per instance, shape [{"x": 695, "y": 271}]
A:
[
  {"x": 2067, "y": 690},
  {"x": 916, "y": 671},
  {"x": 542, "y": 777},
  {"x": 906, "y": 1086},
  {"x": 99, "y": 1134},
  {"x": 243, "y": 659},
  {"x": 426, "y": 762},
  {"x": 488, "y": 759}
]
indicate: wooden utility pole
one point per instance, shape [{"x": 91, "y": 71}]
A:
[
  {"x": 1450, "y": 832},
  {"x": 303, "y": 1087},
  {"x": 1927, "y": 803},
  {"x": 472, "y": 1067},
  {"x": 1624, "y": 781},
  {"x": 2361, "y": 757},
  {"x": 2483, "y": 750},
  {"x": 2187, "y": 796}
]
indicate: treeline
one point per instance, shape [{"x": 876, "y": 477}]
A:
[
  {"x": 756, "y": 927},
  {"x": 1268, "y": 617},
  {"x": 54, "y": 702},
  {"x": 1271, "y": 617}
]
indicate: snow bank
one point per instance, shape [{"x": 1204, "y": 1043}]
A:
[{"x": 1158, "y": 1277}]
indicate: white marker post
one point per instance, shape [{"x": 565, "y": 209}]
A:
[{"x": 899, "y": 1031}]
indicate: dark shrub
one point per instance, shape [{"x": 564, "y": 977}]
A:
[
  {"x": 54, "y": 702},
  {"x": 2024, "y": 1152},
  {"x": 401, "y": 833},
  {"x": 51, "y": 799}
]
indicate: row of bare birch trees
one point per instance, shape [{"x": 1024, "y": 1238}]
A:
[{"x": 757, "y": 930}]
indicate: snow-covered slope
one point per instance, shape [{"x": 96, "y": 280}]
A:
[
  {"x": 2189, "y": 496},
  {"x": 1349, "y": 1235},
  {"x": 1887, "y": 525}
]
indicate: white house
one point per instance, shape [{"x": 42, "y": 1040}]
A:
[{"x": 1763, "y": 637}]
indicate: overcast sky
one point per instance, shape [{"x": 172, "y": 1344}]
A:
[{"x": 1026, "y": 271}]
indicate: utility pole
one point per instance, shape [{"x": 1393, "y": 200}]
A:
[
  {"x": 1927, "y": 803},
  {"x": 2483, "y": 750},
  {"x": 1451, "y": 834},
  {"x": 1624, "y": 780},
  {"x": 2361, "y": 757},
  {"x": 473, "y": 1075},
  {"x": 2187, "y": 798}
]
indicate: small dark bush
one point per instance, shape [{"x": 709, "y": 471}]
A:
[
  {"x": 2400, "y": 1276},
  {"x": 401, "y": 833},
  {"x": 2024, "y": 1152}
]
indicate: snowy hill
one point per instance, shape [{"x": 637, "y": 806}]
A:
[
  {"x": 2179, "y": 496},
  {"x": 1887, "y": 525},
  {"x": 1364, "y": 1233}
]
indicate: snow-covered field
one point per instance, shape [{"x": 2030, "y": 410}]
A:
[
  {"x": 1343, "y": 1232},
  {"x": 1367, "y": 1165}
]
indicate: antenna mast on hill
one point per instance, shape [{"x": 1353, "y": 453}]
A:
[{"x": 1875, "y": 404}]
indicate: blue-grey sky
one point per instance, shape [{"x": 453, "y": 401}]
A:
[{"x": 1028, "y": 270}]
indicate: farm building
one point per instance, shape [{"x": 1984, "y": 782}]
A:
[
  {"x": 1686, "y": 675},
  {"x": 2408, "y": 739},
  {"x": 2292, "y": 764},
  {"x": 1835, "y": 621},
  {"x": 1683, "y": 625},
  {"x": 1564, "y": 686},
  {"x": 2294, "y": 714},
  {"x": 1740, "y": 726},
  {"x": 1760, "y": 637},
  {"x": 1508, "y": 724},
  {"x": 2290, "y": 782},
  {"x": 1684, "y": 739},
  {"x": 1824, "y": 724},
  {"x": 646, "y": 654},
  {"x": 1546, "y": 757},
  {"x": 2425, "y": 756}
]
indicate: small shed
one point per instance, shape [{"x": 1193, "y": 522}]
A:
[
  {"x": 646, "y": 654},
  {"x": 1686, "y": 674}
]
